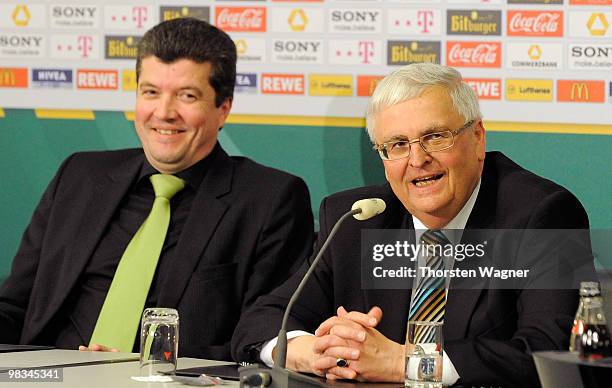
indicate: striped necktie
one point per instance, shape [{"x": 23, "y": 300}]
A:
[
  {"x": 429, "y": 301},
  {"x": 119, "y": 318}
]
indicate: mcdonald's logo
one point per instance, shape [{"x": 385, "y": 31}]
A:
[
  {"x": 366, "y": 84},
  {"x": 581, "y": 91},
  {"x": 13, "y": 77}
]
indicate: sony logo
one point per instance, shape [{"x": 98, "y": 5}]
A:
[
  {"x": 591, "y": 52},
  {"x": 74, "y": 12},
  {"x": 296, "y": 46},
  {"x": 354, "y": 16},
  {"x": 19, "y": 41}
]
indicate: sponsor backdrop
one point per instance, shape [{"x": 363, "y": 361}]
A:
[
  {"x": 529, "y": 60},
  {"x": 542, "y": 69}
]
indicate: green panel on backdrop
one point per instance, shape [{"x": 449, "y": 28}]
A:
[{"x": 329, "y": 159}]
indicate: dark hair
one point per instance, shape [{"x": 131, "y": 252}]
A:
[{"x": 197, "y": 40}]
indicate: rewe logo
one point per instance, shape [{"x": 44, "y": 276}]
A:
[
  {"x": 282, "y": 83},
  {"x": 473, "y": 54},
  {"x": 246, "y": 19},
  {"x": 535, "y": 23},
  {"x": 486, "y": 88},
  {"x": 97, "y": 79}
]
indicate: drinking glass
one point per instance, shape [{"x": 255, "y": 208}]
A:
[
  {"x": 159, "y": 335},
  {"x": 424, "y": 355}
]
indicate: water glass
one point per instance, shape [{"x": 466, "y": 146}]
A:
[
  {"x": 159, "y": 336},
  {"x": 424, "y": 355}
]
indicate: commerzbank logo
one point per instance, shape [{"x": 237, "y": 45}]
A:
[
  {"x": 536, "y": 56},
  {"x": 590, "y": 24},
  {"x": 21, "y": 15},
  {"x": 298, "y": 20},
  {"x": 598, "y": 24},
  {"x": 534, "y": 52},
  {"x": 252, "y": 50}
]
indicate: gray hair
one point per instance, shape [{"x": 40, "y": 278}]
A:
[{"x": 411, "y": 81}]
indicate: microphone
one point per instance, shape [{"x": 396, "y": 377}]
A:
[
  {"x": 278, "y": 376},
  {"x": 369, "y": 208}
]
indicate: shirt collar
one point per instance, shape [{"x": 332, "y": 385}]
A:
[
  {"x": 454, "y": 229},
  {"x": 193, "y": 176}
]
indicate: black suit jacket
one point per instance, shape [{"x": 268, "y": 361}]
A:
[
  {"x": 247, "y": 230},
  {"x": 488, "y": 333}
]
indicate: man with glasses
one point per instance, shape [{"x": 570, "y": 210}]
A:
[{"x": 425, "y": 123}]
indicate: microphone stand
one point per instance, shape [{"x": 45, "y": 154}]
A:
[{"x": 279, "y": 376}]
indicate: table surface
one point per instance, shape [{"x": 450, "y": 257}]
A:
[
  {"x": 109, "y": 370},
  {"x": 105, "y": 369},
  {"x": 572, "y": 358},
  {"x": 57, "y": 357}
]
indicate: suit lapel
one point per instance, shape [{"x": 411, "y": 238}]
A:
[
  {"x": 105, "y": 197},
  {"x": 464, "y": 293},
  {"x": 394, "y": 303},
  {"x": 205, "y": 214}
]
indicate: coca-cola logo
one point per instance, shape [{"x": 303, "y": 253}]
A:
[
  {"x": 534, "y": 23},
  {"x": 480, "y": 54},
  {"x": 241, "y": 19}
]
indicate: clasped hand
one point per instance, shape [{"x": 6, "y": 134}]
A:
[{"x": 353, "y": 336}]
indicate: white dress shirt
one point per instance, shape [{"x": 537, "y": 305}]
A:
[{"x": 453, "y": 231}]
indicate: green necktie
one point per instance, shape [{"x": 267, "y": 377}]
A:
[{"x": 119, "y": 318}]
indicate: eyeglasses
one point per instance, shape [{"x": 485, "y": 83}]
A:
[{"x": 430, "y": 142}]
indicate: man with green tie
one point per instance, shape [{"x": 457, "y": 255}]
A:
[{"x": 177, "y": 223}]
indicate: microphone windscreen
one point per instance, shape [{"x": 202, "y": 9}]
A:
[{"x": 369, "y": 208}]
